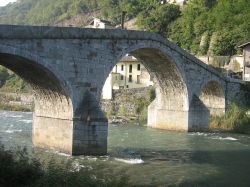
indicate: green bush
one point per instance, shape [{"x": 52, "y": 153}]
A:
[
  {"x": 112, "y": 111},
  {"x": 123, "y": 111},
  {"x": 152, "y": 94},
  {"x": 15, "y": 84},
  {"x": 19, "y": 169}
]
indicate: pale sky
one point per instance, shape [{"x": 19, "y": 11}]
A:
[{"x": 5, "y": 2}]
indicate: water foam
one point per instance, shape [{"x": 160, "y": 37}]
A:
[
  {"x": 26, "y": 121},
  {"x": 227, "y": 138},
  {"x": 12, "y": 131},
  {"x": 15, "y": 116},
  {"x": 130, "y": 161}
]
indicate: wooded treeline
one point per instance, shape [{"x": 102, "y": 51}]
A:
[{"x": 202, "y": 26}]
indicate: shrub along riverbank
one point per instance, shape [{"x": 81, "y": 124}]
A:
[
  {"x": 16, "y": 102},
  {"x": 18, "y": 168},
  {"x": 15, "y": 107},
  {"x": 237, "y": 117}
]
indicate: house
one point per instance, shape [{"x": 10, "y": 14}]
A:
[
  {"x": 100, "y": 24},
  {"x": 127, "y": 73},
  {"x": 179, "y": 2},
  {"x": 236, "y": 64},
  {"x": 246, "y": 60}
]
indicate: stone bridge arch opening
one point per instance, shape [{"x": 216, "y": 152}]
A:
[
  {"x": 169, "y": 110},
  {"x": 52, "y": 103},
  {"x": 210, "y": 102}
]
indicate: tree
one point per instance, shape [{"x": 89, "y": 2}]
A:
[
  {"x": 159, "y": 18},
  {"x": 3, "y": 75}
]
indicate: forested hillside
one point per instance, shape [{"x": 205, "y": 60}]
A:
[
  {"x": 212, "y": 26},
  {"x": 202, "y": 26}
]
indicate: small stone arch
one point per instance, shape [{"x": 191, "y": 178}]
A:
[
  {"x": 210, "y": 100},
  {"x": 212, "y": 95}
]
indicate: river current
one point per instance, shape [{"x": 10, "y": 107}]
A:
[{"x": 151, "y": 157}]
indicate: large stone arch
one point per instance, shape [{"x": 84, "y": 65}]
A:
[
  {"x": 53, "y": 106},
  {"x": 170, "y": 108}
]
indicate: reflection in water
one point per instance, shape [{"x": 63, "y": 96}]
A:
[{"x": 152, "y": 157}]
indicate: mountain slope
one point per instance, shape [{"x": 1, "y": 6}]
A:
[
  {"x": 44, "y": 12},
  {"x": 202, "y": 26}
]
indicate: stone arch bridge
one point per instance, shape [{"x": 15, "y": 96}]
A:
[{"x": 67, "y": 68}]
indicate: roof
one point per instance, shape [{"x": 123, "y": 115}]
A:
[
  {"x": 101, "y": 20},
  {"x": 128, "y": 59},
  {"x": 243, "y": 45}
]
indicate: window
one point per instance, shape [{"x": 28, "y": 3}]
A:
[
  {"x": 130, "y": 68},
  {"x": 138, "y": 81},
  {"x": 121, "y": 77},
  {"x": 130, "y": 78},
  {"x": 150, "y": 78},
  {"x": 138, "y": 67},
  {"x": 116, "y": 68},
  {"x": 122, "y": 67},
  {"x": 127, "y": 86}
]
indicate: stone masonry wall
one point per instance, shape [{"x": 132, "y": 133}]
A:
[{"x": 124, "y": 99}]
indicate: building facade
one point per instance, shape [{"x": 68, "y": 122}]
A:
[
  {"x": 246, "y": 60},
  {"x": 97, "y": 23},
  {"x": 127, "y": 73},
  {"x": 179, "y": 2}
]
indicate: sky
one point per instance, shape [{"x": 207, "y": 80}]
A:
[{"x": 5, "y": 2}]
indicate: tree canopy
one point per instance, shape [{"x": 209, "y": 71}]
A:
[
  {"x": 212, "y": 26},
  {"x": 201, "y": 26}
]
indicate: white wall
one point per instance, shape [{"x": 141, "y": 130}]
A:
[{"x": 107, "y": 88}]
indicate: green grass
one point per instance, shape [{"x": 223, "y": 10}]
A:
[{"x": 235, "y": 120}]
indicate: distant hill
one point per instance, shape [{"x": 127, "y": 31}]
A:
[
  {"x": 45, "y": 12},
  {"x": 201, "y": 26}
]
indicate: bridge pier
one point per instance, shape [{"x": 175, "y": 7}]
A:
[
  {"x": 74, "y": 137},
  {"x": 52, "y": 133},
  {"x": 90, "y": 137},
  {"x": 162, "y": 118},
  {"x": 199, "y": 115},
  {"x": 57, "y": 127}
]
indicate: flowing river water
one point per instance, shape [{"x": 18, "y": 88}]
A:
[{"x": 151, "y": 157}]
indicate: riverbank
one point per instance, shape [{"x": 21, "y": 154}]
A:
[
  {"x": 19, "y": 168},
  {"x": 236, "y": 119},
  {"x": 123, "y": 109},
  {"x": 16, "y": 102}
]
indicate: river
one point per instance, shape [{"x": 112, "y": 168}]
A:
[{"x": 154, "y": 157}]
